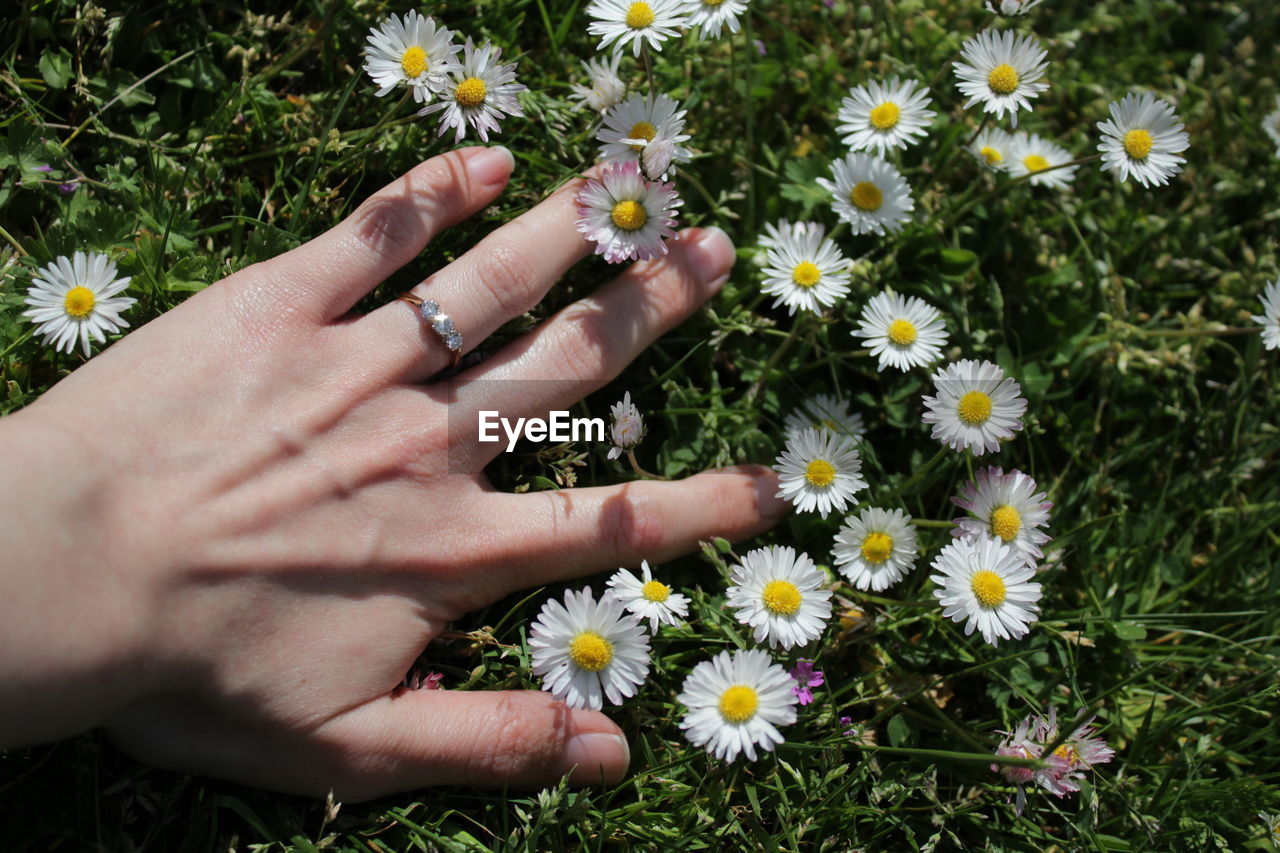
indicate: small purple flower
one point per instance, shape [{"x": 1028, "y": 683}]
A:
[
  {"x": 67, "y": 189},
  {"x": 44, "y": 168},
  {"x": 806, "y": 676},
  {"x": 848, "y": 721},
  {"x": 760, "y": 47},
  {"x": 830, "y": 4}
]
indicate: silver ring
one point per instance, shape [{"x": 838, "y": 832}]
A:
[{"x": 441, "y": 324}]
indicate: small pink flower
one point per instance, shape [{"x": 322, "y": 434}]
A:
[
  {"x": 1064, "y": 767},
  {"x": 806, "y": 676}
]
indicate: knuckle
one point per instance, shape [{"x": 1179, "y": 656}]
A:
[
  {"x": 511, "y": 277},
  {"x": 391, "y": 226},
  {"x": 635, "y": 525},
  {"x": 526, "y": 733}
]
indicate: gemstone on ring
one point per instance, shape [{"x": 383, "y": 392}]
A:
[{"x": 441, "y": 324}]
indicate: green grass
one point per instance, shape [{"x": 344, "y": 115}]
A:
[{"x": 204, "y": 138}]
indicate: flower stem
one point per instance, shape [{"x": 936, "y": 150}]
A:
[
  {"x": 918, "y": 475},
  {"x": 647, "y": 475}
]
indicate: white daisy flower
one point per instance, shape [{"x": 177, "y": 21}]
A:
[
  {"x": 1012, "y": 8},
  {"x": 984, "y": 583},
  {"x": 736, "y": 702},
  {"x": 991, "y": 146},
  {"x": 642, "y": 122},
  {"x": 1032, "y": 155},
  {"x": 1270, "y": 317},
  {"x": 627, "y": 430},
  {"x": 876, "y": 549},
  {"x": 478, "y": 93},
  {"x": 805, "y": 270},
  {"x": 870, "y": 194},
  {"x": 710, "y": 15},
  {"x": 1271, "y": 125},
  {"x": 819, "y": 471},
  {"x": 625, "y": 215},
  {"x": 606, "y": 88},
  {"x": 586, "y": 650},
  {"x": 648, "y": 598},
  {"x": 976, "y": 406},
  {"x": 638, "y": 21},
  {"x": 414, "y": 51},
  {"x": 75, "y": 298},
  {"x": 824, "y": 411},
  {"x": 1143, "y": 138},
  {"x": 903, "y": 332},
  {"x": 885, "y": 115},
  {"x": 780, "y": 595},
  {"x": 1001, "y": 69},
  {"x": 1006, "y": 507}
]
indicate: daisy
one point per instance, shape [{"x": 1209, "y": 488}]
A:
[
  {"x": 627, "y": 430},
  {"x": 991, "y": 146},
  {"x": 984, "y": 583},
  {"x": 622, "y": 21},
  {"x": 625, "y": 215},
  {"x": 75, "y": 298},
  {"x": 477, "y": 93},
  {"x": 1031, "y": 155},
  {"x": 606, "y": 87},
  {"x": 976, "y": 406},
  {"x": 586, "y": 650},
  {"x": 736, "y": 702},
  {"x": 1006, "y": 506},
  {"x": 1271, "y": 125},
  {"x": 780, "y": 595},
  {"x": 885, "y": 115},
  {"x": 824, "y": 411},
  {"x": 1001, "y": 70},
  {"x": 902, "y": 332},
  {"x": 1064, "y": 766},
  {"x": 819, "y": 470},
  {"x": 1270, "y": 317},
  {"x": 870, "y": 194},
  {"x": 876, "y": 549},
  {"x": 710, "y": 15},
  {"x": 804, "y": 269},
  {"x": 1143, "y": 138},
  {"x": 414, "y": 51},
  {"x": 648, "y": 598},
  {"x": 1012, "y": 8},
  {"x": 639, "y": 123}
]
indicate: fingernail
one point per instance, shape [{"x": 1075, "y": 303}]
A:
[
  {"x": 491, "y": 166},
  {"x": 768, "y": 503},
  {"x": 596, "y": 757},
  {"x": 712, "y": 255}
]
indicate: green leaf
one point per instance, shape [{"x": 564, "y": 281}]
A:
[
  {"x": 1129, "y": 631},
  {"x": 55, "y": 68}
]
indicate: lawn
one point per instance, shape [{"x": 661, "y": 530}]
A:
[{"x": 188, "y": 140}]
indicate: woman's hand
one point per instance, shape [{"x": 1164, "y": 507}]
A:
[{"x": 239, "y": 526}]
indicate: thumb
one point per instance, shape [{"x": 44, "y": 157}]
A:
[{"x": 519, "y": 739}]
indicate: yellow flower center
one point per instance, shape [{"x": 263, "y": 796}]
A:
[
  {"x": 712, "y": 2},
  {"x": 1003, "y": 79},
  {"x": 414, "y": 62},
  {"x": 642, "y": 130},
  {"x": 806, "y": 274},
  {"x": 877, "y": 547},
  {"x": 738, "y": 704},
  {"x": 988, "y": 588},
  {"x": 902, "y": 332},
  {"x": 79, "y": 301},
  {"x": 1137, "y": 144},
  {"x": 885, "y": 116},
  {"x": 782, "y": 597},
  {"x": 590, "y": 651},
  {"x": 639, "y": 16},
  {"x": 1068, "y": 753},
  {"x": 866, "y": 196},
  {"x": 1005, "y": 522},
  {"x": 974, "y": 408},
  {"x": 991, "y": 155},
  {"x": 656, "y": 591},
  {"x": 470, "y": 92},
  {"x": 629, "y": 215},
  {"x": 1035, "y": 163},
  {"x": 820, "y": 473}
]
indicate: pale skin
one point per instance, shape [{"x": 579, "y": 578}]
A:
[{"x": 227, "y": 537}]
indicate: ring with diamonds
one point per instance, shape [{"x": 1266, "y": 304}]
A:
[{"x": 441, "y": 324}]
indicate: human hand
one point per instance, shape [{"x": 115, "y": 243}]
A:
[{"x": 241, "y": 533}]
